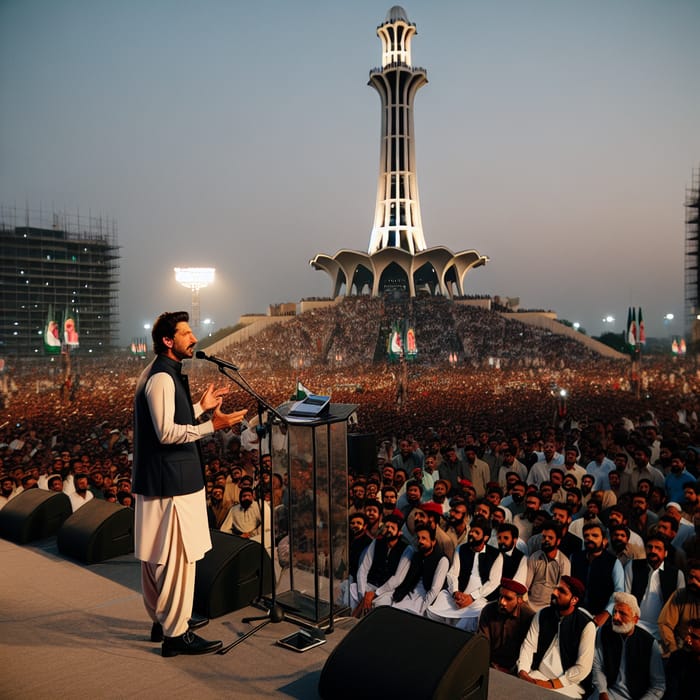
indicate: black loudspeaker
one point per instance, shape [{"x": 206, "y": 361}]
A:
[
  {"x": 362, "y": 452},
  {"x": 395, "y": 654},
  {"x": 230, "y": 574},
  {"x": 97, "y": 531},
  {"x": 33, "y": 515}
]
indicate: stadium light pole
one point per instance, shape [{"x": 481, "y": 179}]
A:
[{"x": 194, "y": 279}]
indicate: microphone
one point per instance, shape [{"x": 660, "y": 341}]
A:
[{"x": 201, "y": 355}]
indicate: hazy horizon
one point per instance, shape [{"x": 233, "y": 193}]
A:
[{"x": 557, "y": 138}]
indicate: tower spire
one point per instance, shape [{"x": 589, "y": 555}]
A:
[{"x": 397, "y": 219}]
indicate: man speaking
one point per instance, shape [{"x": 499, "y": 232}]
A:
[{"x": 171, "y": 529}]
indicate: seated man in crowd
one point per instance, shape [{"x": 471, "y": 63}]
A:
[
  {"x": 627, "y": 662},
  {"x": 473, "y": 578},
  {"x": 514, "y": 559},
  {"x": 682, "y": 607},
  {"x": 652, "y": 581},
  {"x": 601, "y": 571},
  {"x": 683, "y": 668},
  {"x": 379, "y": 563},
  {"x": 546, "y": 566},
  {"x": 505, "y": 622},
  {"x": 559, "y": 646},
  {"x": 418, "y": 578}
]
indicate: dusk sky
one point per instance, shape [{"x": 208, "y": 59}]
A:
[{"x": 555, "y": 136}]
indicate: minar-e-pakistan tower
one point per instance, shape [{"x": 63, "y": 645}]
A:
[{"x": 398, "y": 258}]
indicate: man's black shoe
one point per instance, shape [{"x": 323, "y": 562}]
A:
[
  {"x": 195, "y": 622},
  {"x": 188, "y": 643}
]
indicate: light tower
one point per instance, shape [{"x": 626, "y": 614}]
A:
[
  {"x": 397, "y": 220},
  {"x": 194, "y": 278}
]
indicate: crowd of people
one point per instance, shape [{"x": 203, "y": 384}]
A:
[{"x": 564, "y": 526}]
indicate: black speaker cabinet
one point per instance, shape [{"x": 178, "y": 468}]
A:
[
  {"x": 97, "y": 531},
  {"x": 362, "y": 452},
  {"x": 394, "y": 654},
  {"x": 230, "y": 574},
  {"x": 33, "y": 515}
]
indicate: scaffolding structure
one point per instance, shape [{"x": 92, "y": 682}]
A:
[
  {"x": 60, "y": 261},
  {"x": 692, "y": 279}
]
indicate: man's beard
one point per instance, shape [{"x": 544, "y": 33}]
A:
[
  {"x": 618, "y": 545},
  {"x": 548, "y": 547},
  {"x": 246, "y": 504},
  {"x": 503, "y": 547},
  {"x": 517, "y": 498},
  {"x": 624, "y": 628},
  {"x": 593, "y": 548},
  {"x": 475, "y": 544}
]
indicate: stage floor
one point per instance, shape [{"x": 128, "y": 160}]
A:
[{"x": 68, "y": 630}]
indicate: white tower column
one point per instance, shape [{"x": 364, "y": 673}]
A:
[{"x": 397, "y": 219}]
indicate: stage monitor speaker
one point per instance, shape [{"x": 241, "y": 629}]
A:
[
  {"x": 395, "y": 654},
  {"x": 97, "y": 531},
  {"x": 33, "y": 515},
  {"x": 229, "y": 576},
  {"x": 362, "y": 452}
]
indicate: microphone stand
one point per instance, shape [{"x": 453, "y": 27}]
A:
[{"x": 274, "y": 612}]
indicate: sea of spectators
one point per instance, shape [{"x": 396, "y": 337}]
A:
[{"x": 549, "y": 444}]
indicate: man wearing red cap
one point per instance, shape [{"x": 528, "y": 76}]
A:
[
  {"x": 505, "y": 622},
  {"x": 558, "y": 650}
]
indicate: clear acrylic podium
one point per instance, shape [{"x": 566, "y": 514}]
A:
[{"x": 311, "y": 527}]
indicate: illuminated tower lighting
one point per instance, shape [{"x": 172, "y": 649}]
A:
[
  {"x": 397, "y": 219},
  {"x": 194, "y": 278}
]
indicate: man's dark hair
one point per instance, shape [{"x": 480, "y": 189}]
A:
[
  {"x": 164, "y": 327},
  {"x": 562, "y": 506},
  {"x": 554, "y": 526},
  {"x": 425, "y": 528},
  {"x": 671, "y": 521},
  {"x": 509, "y": 527},
  {"x": 656, "y": 537},
  {"x": 619, "y": 528},
  {"x": 596, "y": 525},
  {"x": 482, "y": 524}
]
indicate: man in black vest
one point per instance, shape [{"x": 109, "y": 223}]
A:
[
  {"x": 558, "y": 650},
  {"x": 472, "y": 581},
  {"x": 683, "y": 669},
  {"x": 652, "y": 581},
  {"x": 514, "y": 559},
  {"x": 418, "y": 578},
  {"x": 171, "y": 528},
  {"x": 379, "y": 563},
  {"x": 358, "y": 543},
  {"x": 627, "y": 662},
  {"x": 600, "y": 571}
]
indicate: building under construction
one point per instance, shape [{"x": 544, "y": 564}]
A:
[
  {"x": 692, "y": 278},
  {"x": 57, "y": 269}
]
